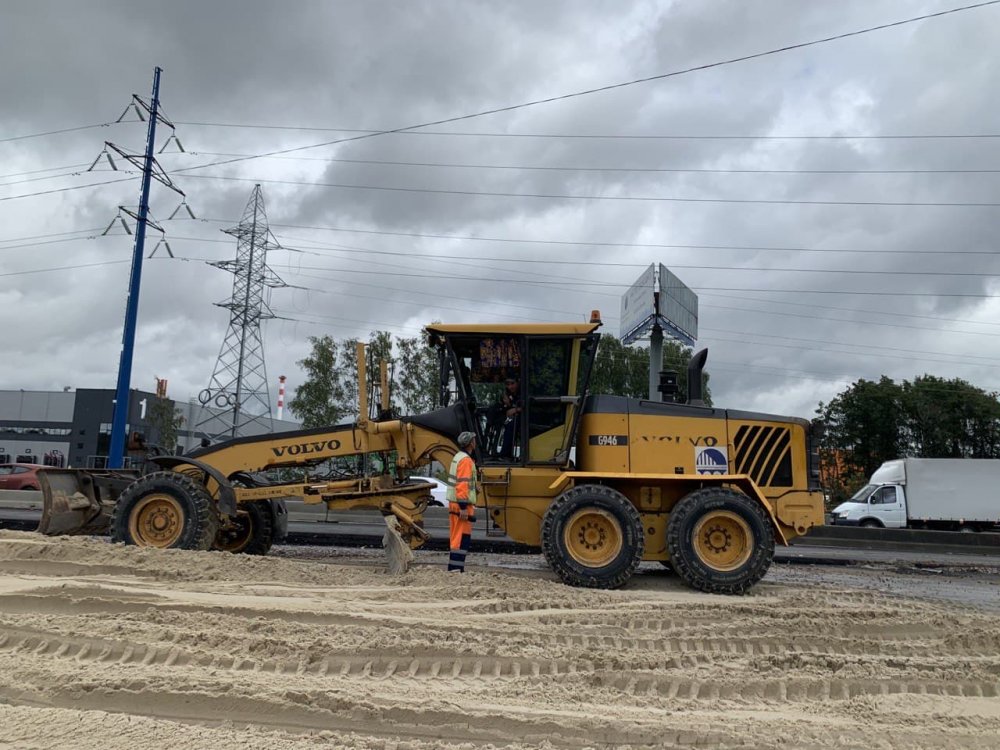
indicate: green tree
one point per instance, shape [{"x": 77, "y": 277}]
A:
[
  {"x": 417, "y": 377},
  {"x": 165, "y": 419},
  {"x": 950, "y": 419},
  {"x": 863, "y": 429},
  {"x": 871, "y": 422},
  {"x": 329, "y": 393},
  {"x": 322, "y": 398},
  {"x": 621, "y": 370}
]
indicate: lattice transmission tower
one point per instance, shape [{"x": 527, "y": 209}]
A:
[{"x": 237, "y": 396}]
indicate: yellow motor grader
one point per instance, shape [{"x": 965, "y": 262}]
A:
[{"x": 599, "y": 482}]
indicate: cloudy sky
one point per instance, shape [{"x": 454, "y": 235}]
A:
[{"x": 789, "y": 315}]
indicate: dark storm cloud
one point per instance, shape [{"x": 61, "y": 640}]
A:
[{"x": 384, "y": 65}]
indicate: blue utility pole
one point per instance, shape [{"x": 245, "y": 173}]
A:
[{"x": 116, "y": 454}]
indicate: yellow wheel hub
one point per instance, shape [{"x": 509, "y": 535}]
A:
[
  {"x": 593, "y": 537},
  {"x": 157, "y": 520},
  {"x": 722, "y": 540}
]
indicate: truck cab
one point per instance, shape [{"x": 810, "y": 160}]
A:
[{"x": 879, "y": 504}]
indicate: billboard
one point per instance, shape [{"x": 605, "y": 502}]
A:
[
  {"x": 678, "y": 307},
  {"x": 638, "y": 305},
  {"x": 658, "y": 297}
]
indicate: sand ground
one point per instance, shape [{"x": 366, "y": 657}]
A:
[{"x": 108, "y": 647}]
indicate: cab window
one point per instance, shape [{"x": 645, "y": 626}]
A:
[
  {"x": 884, "y": 496},
  {"x": 553, "y": 367},
  {"x": 486, "y": 365}
]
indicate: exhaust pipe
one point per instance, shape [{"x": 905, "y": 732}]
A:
[{"x": 695, "y": 367}]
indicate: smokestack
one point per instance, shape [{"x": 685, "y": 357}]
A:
[
  {"x": 281, "y": 395},
  {"x": 695, "y": 367}
]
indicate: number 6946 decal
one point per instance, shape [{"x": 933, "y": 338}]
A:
[{"x": 608, "y": 440}]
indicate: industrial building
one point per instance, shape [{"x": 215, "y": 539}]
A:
[{"x": 73, "y": 427}]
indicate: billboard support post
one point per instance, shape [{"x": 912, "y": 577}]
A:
[{"x": 655, "y": 361}]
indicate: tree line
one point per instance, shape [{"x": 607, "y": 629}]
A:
[
  {"x": 873, "y": 421},
  {"x": 329, "y": 392}
]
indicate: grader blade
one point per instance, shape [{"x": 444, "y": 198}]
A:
[
  {"x": 78, "y": 501},
  {"x": 397, "y": 551},
  {"x": 66, "y": 506}
]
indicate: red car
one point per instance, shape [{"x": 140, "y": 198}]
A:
[{"x": 19, "y": 476}]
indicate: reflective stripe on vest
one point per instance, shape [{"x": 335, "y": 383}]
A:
[{"x": 452, "y": 479}]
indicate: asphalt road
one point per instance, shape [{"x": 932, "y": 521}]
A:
[
  {"x": 316, "y": 525},
  {"x": 366, "y": 528}
]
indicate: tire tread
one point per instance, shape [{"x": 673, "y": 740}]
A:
[
  {"x": 692, "y": 505},
  {"x": 557, "y": 561},
  {"x": 206, "y": 517}
]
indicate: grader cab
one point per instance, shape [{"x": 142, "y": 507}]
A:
[{"x": 599, "y": 482}]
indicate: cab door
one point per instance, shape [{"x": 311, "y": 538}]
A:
[
  {"x": 553, "y": 380},
  {"x": 886, "y": 504}
]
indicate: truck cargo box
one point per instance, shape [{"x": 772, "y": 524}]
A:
[{"x": 952, "y": 489}]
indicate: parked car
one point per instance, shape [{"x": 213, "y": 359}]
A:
[
  {"x": 19, "y": 476},
  {"x": 439, "y": 490}
]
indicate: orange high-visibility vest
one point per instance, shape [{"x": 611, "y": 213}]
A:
[{"x": 462, "y": 489}]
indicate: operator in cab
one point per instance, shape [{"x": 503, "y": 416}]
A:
[
  {"x": 461, "y": 501},
  {"x": 511, "y": 406}
]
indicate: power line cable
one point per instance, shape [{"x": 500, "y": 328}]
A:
[
  {"x": 39, "y": 178},
  {"x": 616, "y": 136},
  {"x": 52, "y": 234},
  {"x": 65, "y": 268},
  {"x": 956, "y": 361},
  {"x": 39, "y": 171},
  {"x": 49, "y": 242},
  {"x": 657, "y": 170},
  {"x": 738, "y": 367},
  {"x": 848, "y": 320},
  {"x": 849, "y": 309},
  {"x": 822, "y": 341},
  {"x": 767, "y": 312},
  {"x": 614, "y": 86},
  {"x": 433, "y": 302},
  {"x": 846, "y": 343},
  {"x": 570, "y": 196},
  {"x": 444, "y": 258},
  {"x": 724, "y": 307},
  {"x": 714, "y": 364},
  {"x": 590, "y": 243},
  {"x": 723, "y": 296},
  {"x": 625, "y": 285},
  {"x": 56, "y": 132},
  {"x": 75, "y": 187},
  {"x": 843, "y": 291}
]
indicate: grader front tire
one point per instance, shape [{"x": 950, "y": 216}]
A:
[
  {"x": 592, "y": 536},
  {"x": 720, "y": 541},
  {"x": 167, "y": 510}
]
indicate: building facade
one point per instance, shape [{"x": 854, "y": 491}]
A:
[{"x": 73, "y": 428}]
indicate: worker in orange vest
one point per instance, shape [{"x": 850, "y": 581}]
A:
[{"x": 461, "y": 501}]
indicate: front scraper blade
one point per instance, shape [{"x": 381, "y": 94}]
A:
[
  {"x": 69, "y": 504},
  {"x": 397, "y": 551}
]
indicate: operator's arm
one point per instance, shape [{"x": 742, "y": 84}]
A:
[{"x": 464, "y": 477}]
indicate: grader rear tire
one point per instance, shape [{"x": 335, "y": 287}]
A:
[
  {"x": 592, "y": 536},
  {"x": 167, "y": 510},
  {"x": 251, "y": 532},
  {"x": 720, "y": 541}
]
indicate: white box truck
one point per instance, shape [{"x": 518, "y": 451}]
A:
[{"x": 952, "y": 494}]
